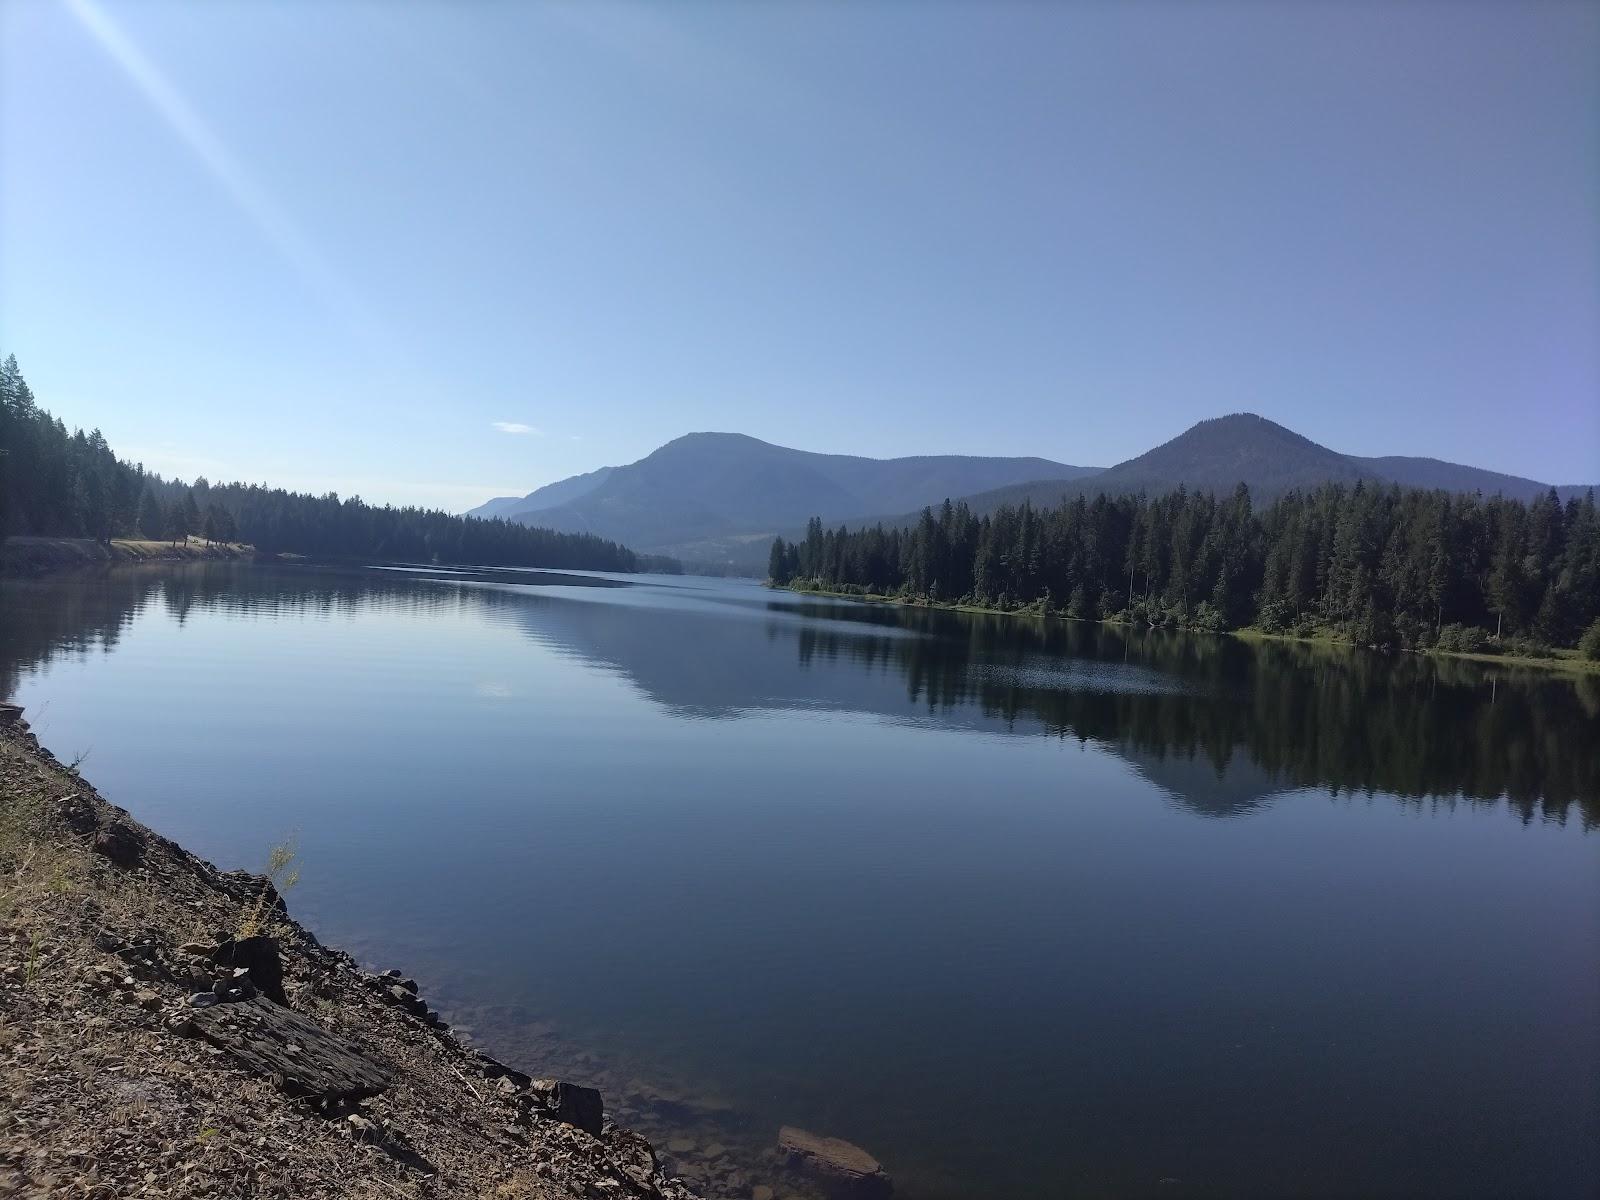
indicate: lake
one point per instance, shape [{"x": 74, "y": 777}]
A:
[{"x": 1025, "y": 908}]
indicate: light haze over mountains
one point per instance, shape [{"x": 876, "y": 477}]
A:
[{"x": 717, "y": 499}]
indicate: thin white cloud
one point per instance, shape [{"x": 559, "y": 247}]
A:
[{"x": 517, "y": 427}]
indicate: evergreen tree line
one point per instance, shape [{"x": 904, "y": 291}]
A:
[
  {"x": 1375, "y": 565},
  {"x": 57, "y": 484}
]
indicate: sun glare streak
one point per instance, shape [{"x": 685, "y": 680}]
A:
[{"x": 268, "y": 216}]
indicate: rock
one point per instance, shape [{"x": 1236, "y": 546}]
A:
[
  {"x": 147, "y": 1000},
  {"x": 203, "y": 1000},
  {"x": 120, "y": 843},
  {"x": 762, "y": 1192},
  {"x": 258, "y": 958},
  {"x": 232, "y": 989},
  {"x": 574, "y": 1105},
  {"x": 99, "y": 979},
  {"x": 844, "y": 1168},
  {"x": 634, "y": 1160},
  {"x": 77, "y": 814},
  {"x": 197, "y": 949},
  {"x": 10, "y": 714},
  {"x": 681, "y": 1145},
  {"x": 494, "y": 1069}
]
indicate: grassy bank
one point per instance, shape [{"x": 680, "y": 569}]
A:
[
  {"x": 1569, "y": 661},
  {"x": 43, "y": 555}
]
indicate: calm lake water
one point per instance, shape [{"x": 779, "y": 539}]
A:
[{"x": 1024, "y": 908}]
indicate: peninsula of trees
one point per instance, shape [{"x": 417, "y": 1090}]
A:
[
  {"x": 57, "y": 484},
  {"x": 1375, "y": 565}
]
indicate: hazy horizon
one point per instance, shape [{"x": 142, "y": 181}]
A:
[{"x": 438, "y": 254}]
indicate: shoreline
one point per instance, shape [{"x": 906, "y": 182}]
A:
[
  {"x": 1561, "y": 663},
  {"x": 122, "y": 1055},
  {"x": 32, "y": 557}
]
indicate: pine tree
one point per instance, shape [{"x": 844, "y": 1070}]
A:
[
  {"x": 152, "y": 523},
  {"x": 190, "y": 514},
  {"x": 177, "y": 523},
  {"x": 778, "y": 563}
]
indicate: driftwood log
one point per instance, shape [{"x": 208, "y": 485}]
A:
[{"x": 300, "y": 1056}]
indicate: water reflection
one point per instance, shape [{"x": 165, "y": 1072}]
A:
[
  {"x": 837, "y": 862},
  {"x": 1221, "y": 725}
]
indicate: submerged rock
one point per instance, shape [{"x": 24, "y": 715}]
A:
[{"x": 844, "y": 1168}]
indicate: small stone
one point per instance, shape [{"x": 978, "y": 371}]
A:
[
  {"x": 762, "y": 1192},
  {"x": 147, "y": 1000}
]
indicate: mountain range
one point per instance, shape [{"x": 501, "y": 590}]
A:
[{"x": 717, "y": 499}]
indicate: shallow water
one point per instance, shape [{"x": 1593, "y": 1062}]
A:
[{"x": 1025, "y": 908}]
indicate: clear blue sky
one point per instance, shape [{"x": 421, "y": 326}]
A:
[{"x": 332, "y": 245}]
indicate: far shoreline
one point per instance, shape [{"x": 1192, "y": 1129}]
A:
[
  {"x": 30, "y": 557},
  {"x": 1573, "y": 665}
]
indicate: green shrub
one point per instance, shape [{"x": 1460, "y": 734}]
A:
[
  {"x": 1525, "y": 647},
  {"x": 1463, "y": 639},
  {"x": 1589, "y": 643},
  {"x": 1275, "y": 617}
]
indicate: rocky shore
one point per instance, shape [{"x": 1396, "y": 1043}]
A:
[{"x": 167, "y": 1029}]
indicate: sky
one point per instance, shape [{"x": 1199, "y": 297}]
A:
[{"x": 433, "y": 253}]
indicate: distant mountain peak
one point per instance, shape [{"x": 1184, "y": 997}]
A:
[
  {"x": 714, "y": 496},
  {"x": 717, "y": 486}
]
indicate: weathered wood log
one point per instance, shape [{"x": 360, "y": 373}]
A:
[{"x": 300, "y": 1056}]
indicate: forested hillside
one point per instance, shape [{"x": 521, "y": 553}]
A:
[
  {"x": 57, "y": 484},
  {"x": 1376, "y": 564}
]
